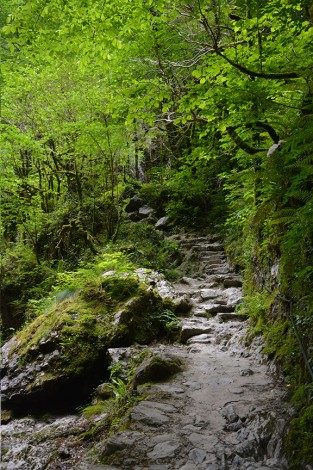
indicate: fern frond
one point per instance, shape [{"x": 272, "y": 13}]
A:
[
  {"x": 264, "y": 209},
  {"x": 301, "y": 195},
  {"x": 302, "y": 161},
  {"x": 284, "y": 216}
]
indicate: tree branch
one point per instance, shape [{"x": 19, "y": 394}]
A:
[
  {"x": 241, "y": 143},
  {"x": 268, "y": 128},
  {"x": 270, "y": 76}
]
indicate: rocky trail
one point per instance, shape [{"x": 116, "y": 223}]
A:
[{"x": 224, "y": 410}]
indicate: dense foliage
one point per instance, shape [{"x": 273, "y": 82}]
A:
[{"x": 203, "y": 107}]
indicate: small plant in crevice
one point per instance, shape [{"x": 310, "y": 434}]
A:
[
  {"x": 119, "y": 389},
  {"x": 112, "y": 413},
  {"x": 170, "y": 322}
]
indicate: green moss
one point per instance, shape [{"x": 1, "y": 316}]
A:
[
  {"x": 298, "y": 443},
  {"x": 276, "y": 335},
  {"x": 67, "y": 320},
  {"x": 97, "y": 409},
  {"x": 120, "y": 287}
]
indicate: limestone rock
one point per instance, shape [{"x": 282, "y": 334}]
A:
[
  {"x": 191, "y": 328},
  {"x": 6, "y": 416},
  {"x": 145, "y": 212},
  {"x": 207, "y": 294},
  {"x": 158, "y": 467},
  {"x": 162, "y": 223},
  {"x": 149, "y": 415},
  {"x": 226, "y": 316},
  {"x": 156, "y": 281},
  {"x": 230, "y": 414},
  {"x": 139, "y": 320},
  {"x": 234, "y": 295},
  {"x": 120, "y": 441},
  {"x": 197, "y": 455},
  {"x": 164, "y": 450},
  {"x": 203, "y": 338}
]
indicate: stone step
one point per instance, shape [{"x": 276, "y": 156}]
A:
[
  {"x": 232, "y": 281},
  {"x": 231, "y": 316},
  {"x": 211, "y": 255},
  {"x": 199, "y": 312},
  {"x": 189, "y": 281},
  {"x": 213, "y": 262},
  {"x": 197, "y": 242},
  {"x": 207, "y": 249},
  {"x": 215, "y": 247},
  {"x": 206, "y": 294},
  {"x": 192, "y": 328},
  {"x": 217, "y": 308},
  {"x": 217, "y": 269},
  {"x": 219, "y": 301},
  {"x": 202, "y": 339}
]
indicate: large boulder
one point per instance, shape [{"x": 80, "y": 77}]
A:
[
  {"x": 58, "y": 358},
  {"x": 134, "y": 204}
]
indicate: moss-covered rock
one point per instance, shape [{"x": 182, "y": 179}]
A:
[
  {"x": 157, "y": 369},
  {"x": 139, "y": 320},
  {"x": 299, "y": 442},
  {"x": 59, "y": 357}
]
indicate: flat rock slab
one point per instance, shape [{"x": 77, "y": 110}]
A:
[
  {"x": 149, "y": 416},
  {"x": 197, "y": 455},
  {"x": 120, "y": 441},
  {"x": 158, "y": 467},
  {"x": 159, "y": 406},
  {"x": 152, "y": 413},
  {"x": 214, "y": 308},
  {"x": 204, "y": 441},
  {"x": 210, "y": 293},
  {"x": 164, "y": 450}
]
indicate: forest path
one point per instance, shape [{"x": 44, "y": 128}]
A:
[{"x": 224, "y": 411}]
